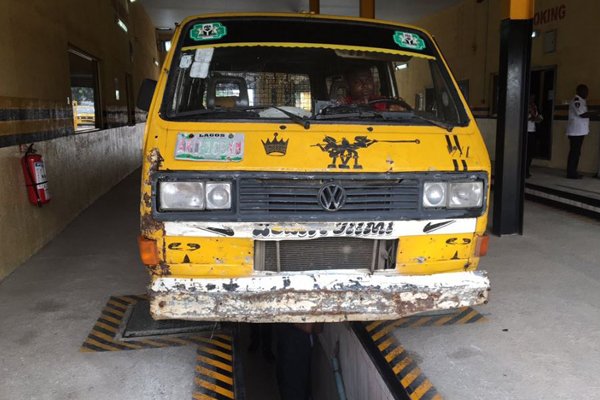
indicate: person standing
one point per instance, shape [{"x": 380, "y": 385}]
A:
[
  {"x": 533, "y": 117},
  {"x": 578, "y": 127}
]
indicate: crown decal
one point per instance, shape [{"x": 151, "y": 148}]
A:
[{"x": 276, "y": 147}]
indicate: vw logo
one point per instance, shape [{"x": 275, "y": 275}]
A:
[{"x": 332, "y": 197}]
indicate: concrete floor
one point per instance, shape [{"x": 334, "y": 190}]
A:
[
  {"x": 49, "y": 304},
  {"x": 542, "y": 338},
  {"x": 555, "y": 179}
]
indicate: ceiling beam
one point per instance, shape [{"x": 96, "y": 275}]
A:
[
  {"x": 315, "y": 7},
  {"x": 367, "y": 8}
]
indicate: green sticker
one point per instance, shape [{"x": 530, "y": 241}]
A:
[
  {"x": 208, "y": 31},
  {"x": 409, "y": 40}
]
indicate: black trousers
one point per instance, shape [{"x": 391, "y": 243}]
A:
[
  {"x": 294, "y": 348},
  {"x": 531, "y": 144},
  {"x": 575, "y": 143}
]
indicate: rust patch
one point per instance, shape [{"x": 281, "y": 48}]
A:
[
  {"x": 147, "y": 199},
  {"x": 154, "y": 160},
  {"x": 149, "y": 225},
  {"x": 416, "y": 305},
  {"x": 325, "y": 312},
  {"x": 230, "y": 287},
  {"x": 159, "y": 270}
]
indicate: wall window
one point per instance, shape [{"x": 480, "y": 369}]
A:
[{"x": 85, "y": 92}]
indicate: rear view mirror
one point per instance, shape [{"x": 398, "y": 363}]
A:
[{"x": 145, "y": 94}]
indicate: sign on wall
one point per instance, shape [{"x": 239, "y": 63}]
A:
[{"x": 552, "y": 14}]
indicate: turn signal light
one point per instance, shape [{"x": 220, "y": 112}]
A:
[
  {"x": 481, "y": 246},
  {"x": 148, "y": 251}
]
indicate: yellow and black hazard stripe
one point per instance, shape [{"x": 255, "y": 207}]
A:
[
  {"x": 215, "y": 374},
  {"x": 104, "y": 336},
  {"x": 402, "y": 375},
  {"x": 463, "y": 315}
]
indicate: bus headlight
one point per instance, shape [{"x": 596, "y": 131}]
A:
[
  {"x": 465, "y": 194},
  {"x": 218, "y": 195},
  {"x": 181, "y": 195},
  {"x": 434, "y": 194}
]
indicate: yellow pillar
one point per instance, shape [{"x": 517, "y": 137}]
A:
[
  {"x": 518, "y": 9},
  {"x": 367, "y": 8}
]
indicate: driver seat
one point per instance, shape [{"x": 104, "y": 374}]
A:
[{"x": 229, "y": 85}]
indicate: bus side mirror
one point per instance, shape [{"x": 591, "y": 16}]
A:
[{"x": 145, "y": 94}]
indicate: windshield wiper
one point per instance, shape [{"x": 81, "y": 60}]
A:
[
  {"x": 304, "y": 122},
  {"x": 295, "y": 117},
  {"x": 399, "y": 115},
  {"x": 345, "y": 111},
  {"x": 208, "y": 111},
  {"x": 447, "y": 126},
  {"x": 356, "y": 111}
]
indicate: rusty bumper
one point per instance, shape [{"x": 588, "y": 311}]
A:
[{"x": 314, "y": 296}]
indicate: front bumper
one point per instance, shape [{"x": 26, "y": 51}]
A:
[{"x": 316, "y": 296}]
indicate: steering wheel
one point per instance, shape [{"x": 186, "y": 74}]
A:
[{"x": 391, "y": 101}]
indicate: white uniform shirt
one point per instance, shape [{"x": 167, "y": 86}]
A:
[{"x": 577, "y": 126}]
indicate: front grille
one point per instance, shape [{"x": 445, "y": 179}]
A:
[
  {"x": 325, "y": 254},
  {"x": 284, "y": 196}
]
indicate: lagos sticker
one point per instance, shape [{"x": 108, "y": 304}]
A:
[
  {"x": 409, "y": 40},
  {"x": 209, "y": 146}
]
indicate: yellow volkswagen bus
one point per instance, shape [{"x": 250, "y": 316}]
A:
[{"x": 307, "y": 168}]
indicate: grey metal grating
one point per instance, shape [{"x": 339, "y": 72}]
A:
[
  {"x": 328, "y": 254},
  {"x": 298, "y": 196}
]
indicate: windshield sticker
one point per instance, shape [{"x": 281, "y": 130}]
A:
[
  {"x": 275, "y": 147},
  {"x": 204, "y": 55},
  {"x": 409, "y": 40},
  {"x": 210, "y": 31},
  {"x": 185, "y": 61},
  {"x": 346, "y": 151},
  {"x": 201, "y": 65},
  {"x": 210, "y": 146}
]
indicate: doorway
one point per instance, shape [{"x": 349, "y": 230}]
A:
[
  {"x": 129, "y": 95},
  {"x": 542, "y": 86}
]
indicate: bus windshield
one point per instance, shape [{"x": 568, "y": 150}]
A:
[{"x": 320, "y": 83}]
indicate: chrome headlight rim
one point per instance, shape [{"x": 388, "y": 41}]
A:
[
  {"x": 449, "y": 186},
  {"x": 205, "y": 185},
  {"x": 177, "y": 203},
  {"x": 213, "y": 186},
  {"x": 428, "y": 187},
  {"x": 477, "y": 187}
]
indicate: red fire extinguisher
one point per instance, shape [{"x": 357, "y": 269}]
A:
[{"x": 35, "y": 177}]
